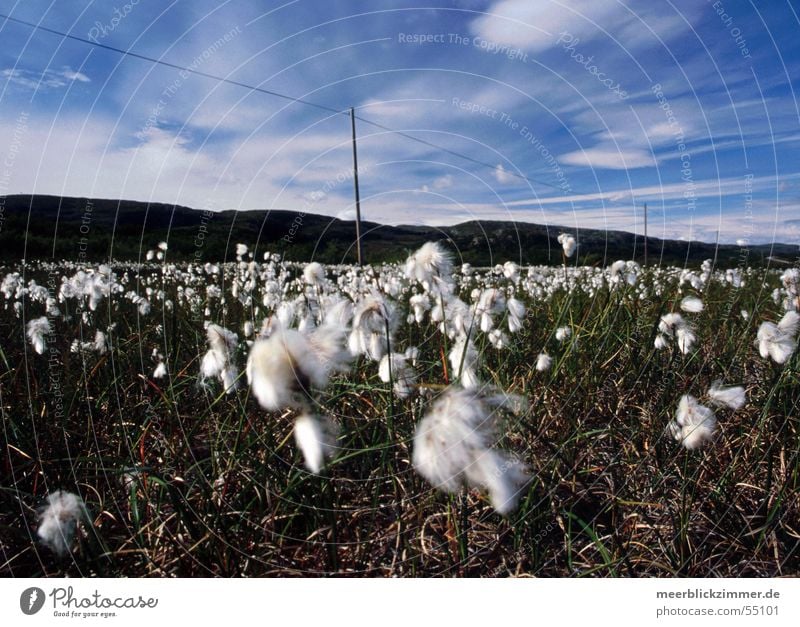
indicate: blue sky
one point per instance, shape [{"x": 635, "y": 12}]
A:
[{"x": 689, "y": 106}]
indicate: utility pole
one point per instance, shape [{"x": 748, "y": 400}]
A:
[
  {"x": 355, "y": 185},
  {"x": 645, "y": 233}
]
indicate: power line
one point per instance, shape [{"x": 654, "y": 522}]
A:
[
  {"x": 174, "y": 66},
  {"x": 276, "y": 94}
]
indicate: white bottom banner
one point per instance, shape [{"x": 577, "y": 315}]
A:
[{"x": 406, "y": 602}]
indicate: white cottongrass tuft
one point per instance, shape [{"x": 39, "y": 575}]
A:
[
  {"x": 563, "y": 333},
  {"x": 454, "y": 446},
  {"x": 616, "y": 268},
  {"x": 219, "y": 360},
  {"x": 161, "y": 370},
  {"x": 491, "y": 302},
  {"x": 316, "y": 438},
  {"x": 694, "y": 424},
  {"x": 673, "y": 325},
  {"x": 38, "y": 329},
  {"x": 498, "y": 339},
  {"x": 100, "y": 342},
  {"x": 431, "y": 266},
  {"x": 511, "y": 271},
  {"x": 372, "y": 317},
  {"x": 778, "y": 340},
  {"x": 284, "y": 368},
  {"x": 790, "y": 323},
  {"x": 59, "y": 519},
  {"x": 686, "y": 338},
  {"x": 402, "y": 374},
  {"x": 543, "y": 362},
  {"x": 464, "y": 362},
  {"x": 516, "y": 311},
  {"x": 568, "y": 243},
  {"x": 732, "y": 397},
  {"x": 314, "y": 273},
  {"x": 692, "y": 304}
]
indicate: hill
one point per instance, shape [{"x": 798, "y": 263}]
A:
[{"x": 52, "y": 227}]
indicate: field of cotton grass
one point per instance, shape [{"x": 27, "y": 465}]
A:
[{"x": 267, "y": 418}]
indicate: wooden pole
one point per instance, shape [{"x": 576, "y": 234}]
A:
[{"x": 355, "y": 186}]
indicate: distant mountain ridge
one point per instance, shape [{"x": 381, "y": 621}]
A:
[{"x": 81, "y": 229}]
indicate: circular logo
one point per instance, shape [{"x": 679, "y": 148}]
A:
[{"x": 31, "y": 600}]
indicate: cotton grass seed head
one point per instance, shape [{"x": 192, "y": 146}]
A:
[
  {"x": 59, "y": 520},
  {"x": 397, "y": 369},
  {"x": 731, "y": 397},
  {"x": 543, "y": 362},
  {"x": 431, "y": 266},
  {"x": 314, "y": 274},
  {"x": 563, "y": 333},
  {"x": 568, "y": 244},
  {"x": 283, "y": 369},
  {"x": 38, "y": 329},
  {"x": 464, "y": 361},
  {"x": 454, "y": 445},
  {"x": 694, "y": 425},
  {"x": 692, "y": 304},
  {"x": 219, "y": 361},
  {"x": 778, "y": 341},
  {"x": 316, "y": 438}
]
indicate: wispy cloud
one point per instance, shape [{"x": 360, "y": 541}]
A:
[
  {"x": 708, "y": 188},
  {"x": 608, "y": 157},
  {"x": 48, "y": 79}
]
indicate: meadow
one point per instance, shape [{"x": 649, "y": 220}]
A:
[{"x": 270, "y": 418}]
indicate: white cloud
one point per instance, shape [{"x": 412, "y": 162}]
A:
[
  {"x": 536, "y": 26},
  {"x": 672, "y": 191},
  {"x": 347, "y": 214},
  {"x": 443, "y": 182},
  {"x": 314, "y": 196},
  {"x": 76, "y": 76},
  {"x": 502, "y": 175},
  {"x": 49, "y": 79},
  {"x": 609, "y": 158}
]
